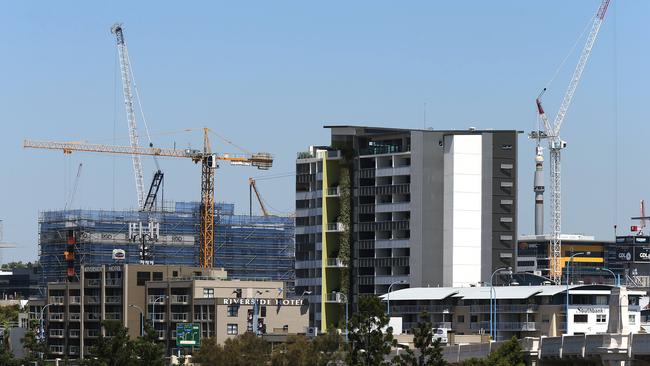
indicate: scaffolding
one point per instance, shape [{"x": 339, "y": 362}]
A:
[{"x": 248, "y": 247}]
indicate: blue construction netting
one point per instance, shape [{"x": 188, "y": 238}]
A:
[{"x": 246, "y": 246}]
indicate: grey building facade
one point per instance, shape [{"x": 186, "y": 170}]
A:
[{"x": 413, "y": 208}]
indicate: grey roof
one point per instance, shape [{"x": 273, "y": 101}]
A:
[{"x": 422, "y": 293}]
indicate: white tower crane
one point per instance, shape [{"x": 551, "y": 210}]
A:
[
  {"x": 556, "y": 144},
  {"x": 125, "y": 69}
]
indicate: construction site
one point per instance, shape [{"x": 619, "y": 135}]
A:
[{"x": 248, "y": 247}]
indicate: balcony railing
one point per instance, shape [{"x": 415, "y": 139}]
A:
[
  {"x": 92, "y": 333},
  {"x": 93, "y": 316},
  {"x": 73, "y": 350},
  {"x": 92, "y": 299},
  {"x": 335, "y": 263},
  {"x": 335, "y": 298},
  {"x": 512, "y": 326},
  {"x": 57, "y": 333},
  {"x": 158, "y": 299},
  {"x": 74, "y": 316},
  {"x": 337, "y": 227},
  {"x": 157, "y": 317},
  {"x": 179, "y": 317},
  {"x": 113, "y": 282},
  {"x": 75, "y": 299},
  {"x": 515, "y": 308},
  {"x": 57, "y": 300},
  {"x": 93, "y": 282},
  {"x": 333, "y": 192},
  {"x": 180, "y": 299},
  {"x": 56, "y": 316},
  {"x": 113, "y": 299},
  {"x": 74, "y": 333},
  {"x": 113, "y": 316},
  {"x": 417, "y": 309},
  {"x": 56, "y": 349}
]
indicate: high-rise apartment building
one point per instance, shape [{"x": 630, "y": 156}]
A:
[{"x": 382, "y": 208}]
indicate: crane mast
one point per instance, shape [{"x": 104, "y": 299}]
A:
[
  {"x": 125, "y": 71},
  {"x": 556, "y": 144}
]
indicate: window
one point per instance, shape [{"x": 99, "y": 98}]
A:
[
  {"x": 157, "y": 276},
  {"x": 506, "y": 147},
  {"x": 473, "y": 318},
  {"x": 143, "y": 277},
  {"x": 233, "y": 310},
  {"x": 208, "y": 292},
  {"x": 580, "y": 318},
  {"x": 263, "y": 312},
  {"x": 632, "y": 319},
  {"x": 461, "y": 318},
  {"x": 175, "y": 274},
  {"x": 232, "y": 329},
  {"x": 546, "y": 318},
  {"x": 601, "y": 318},
  {"x": 601, "y": 300}
]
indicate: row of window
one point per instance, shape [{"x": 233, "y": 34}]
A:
[{"x": 600, "y": 318}]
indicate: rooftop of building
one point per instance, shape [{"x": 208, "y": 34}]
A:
[
  {"x": 379, "y": 130},
  {"x": 567, "y": 237},
  {"x": 500, "y": 292}
]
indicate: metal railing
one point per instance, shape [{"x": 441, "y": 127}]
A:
[
  {"x": 58, "y": 333},
  {"x": 56, "y": 316},
  {"x": 113, "y": 316},
  {"x": 75, "y": 299},
  {"x": 113, "y": 299},
  {"x": 179, "y": 317},
  {"x": 180, "y": 299},
  {"x": 513, "y": 326},
  {"x": 515, "y": 308},
  {"x": 74, "y": 333},
  {"x": 335, "y": 227},
  {"x": 113, "y": 282},
  {"x": 57, "y": 300},
  {"x": 159, "y": 299},
  {"x": 335, "y": 298},
  {"x": 335, "y": 263},
  {"x": 417, "y": 309},
  {"x": 333, "y": 192}
]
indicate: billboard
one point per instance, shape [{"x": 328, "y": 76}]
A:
[
  {"x": 642, "y": 254},
  {"x": 624, "y": 254}
]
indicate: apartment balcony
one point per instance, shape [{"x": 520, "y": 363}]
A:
[
  {"x": 56, "y": 349},
  {"x": 511, "y": 309},
  {"x": 392, "y": 171},
  {"x": 335, "y": 227},
  {"x": 59, "y": 317},
  {"x": 311, "y": 229},
  {"x": 335, "y": 263},
  {"x": 308, "y": 264},
  {"x": 384, "y": 262},
  {"x": 180, "y": 299},
  {"x": 113, "y": 299},
  {"x": 92, "y": 333},
  {"x": 113, "y": 282},
  {"x": 73, "y": 350},
  {"x": 74, "y": 300},
  {"x": 335, "y": 298},
  {"x": 418, "y": 309},
  {"x": 306, "y": 212},
  {"x": 384, "y": 190},
  {"x": 74, "y": 317},
  {"x": 157, "y": 299},
  {"x": 506, "y": 326},
  {"x": 57, "y": 333},
  {"x": 384, "y": 225},
  {"x": 74, "y": 333},
  {"x": 92, "y": 317},
  {"x": 312, "y": 281},
  {"x": 333, "y": 192},
  {"x": 162, "y": 334},
  {"x": 157, "y": 317},
  {"x": 180, "y": 317},
  {"x": 93, "y": 282},
  {"x": 113, "y": 316},
  {"x": 92, "y": 299},
  {"x": 57, "y": 300}
]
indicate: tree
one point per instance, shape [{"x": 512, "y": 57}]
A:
[
  {"x": 327, "y": 348},
  {"x": 296, "y": 351},
  {"x": 244, "y": 350},
  {"x": 33, "y": 347},
  {"x": 508, "y": 354},
  {"x": 149, "y": 350},
  {"x": 430, "y": 351},
  {"x": 116, "y": 349},
  {"x": 370, "y": 343}
]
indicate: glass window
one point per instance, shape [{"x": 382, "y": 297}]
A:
[
  {"x": 208, "y": 292},
  {"x": 580, "y": 318},
  {"x": 231, "y": 329},
  {"x": 175, "y": 274},
  {"x": 157, "y": 276},
  {"x": 143, "y": 277},
  {"x": 233, "y": 310},
  {"x": 473, "y": 318},
  {"x": 601, "y": 318},
  {"x": 632, "y": 319},
  {"x": 263, "y": 312},
  {"x": 601, "y": 300},
  {"x": 461, "y": 318}
]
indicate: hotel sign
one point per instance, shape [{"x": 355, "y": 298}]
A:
[{"x": 263, "y": 302}]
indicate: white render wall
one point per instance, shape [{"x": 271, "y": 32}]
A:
[{"x": 462, "y": 211}]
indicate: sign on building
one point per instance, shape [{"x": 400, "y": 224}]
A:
[{"x": 188, "y": 335}]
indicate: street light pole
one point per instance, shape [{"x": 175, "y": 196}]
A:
[
  {"x": 493, "y": 308},
  {"x": 568, "y": 269},
  {"x": 141, "y": 318},
  {"x": 388, "y": 294}
]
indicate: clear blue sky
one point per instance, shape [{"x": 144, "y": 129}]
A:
[{"x": 269, "y": 75}]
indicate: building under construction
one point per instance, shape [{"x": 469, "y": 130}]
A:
[{"x": 246, "y": 246}]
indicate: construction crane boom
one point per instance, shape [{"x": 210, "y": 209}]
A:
[
  {"x": 252, "y": 186},
  {"x": 556, "y": 144},
  {"x": 208, "y": 161},
  {"x": 125, "y": 71}
]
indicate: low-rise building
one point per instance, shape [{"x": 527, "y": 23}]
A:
[
  {"x": 165, "y": 296},
  {"x": 521, "y": 311}
]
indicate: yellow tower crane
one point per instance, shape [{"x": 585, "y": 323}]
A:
[{"x": 208, "y": 161}]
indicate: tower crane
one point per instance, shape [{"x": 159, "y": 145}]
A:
[
  {"x": 556, "y": 144},
  {"x": 125, "y": 71},
  {"x": 208, "y": 161}
]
